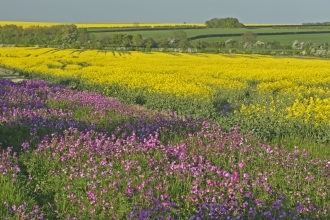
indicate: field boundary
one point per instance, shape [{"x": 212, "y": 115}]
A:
[
  {"x": 104, "y": 30},
  {"x": 258, "y": 34}
]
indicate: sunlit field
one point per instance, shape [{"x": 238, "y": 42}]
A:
[
  {"x": 115, "y": 24},
  {"x": 133, "y": 135},
  {"x": 94, "y": 25},
  {"x": 289, "y": 95},
  {"x": 268, "y": 25},
  {"x": 26, "y": 24}
]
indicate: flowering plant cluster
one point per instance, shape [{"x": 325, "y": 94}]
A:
[
  {"x": 274, "y": 98},
  {"x": 68, "y": 154}
]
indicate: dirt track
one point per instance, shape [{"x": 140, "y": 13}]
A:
[{"x": 9, "y": 74}]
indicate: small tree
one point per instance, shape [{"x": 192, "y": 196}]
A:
[
  {"x": 83, "y": 36},
  {"x": 249, "y": 36},
  {"x": 224, "y": 23},
  {"x": 148, "y": 47},
  {"x": 148, "y": 41},
  {"x": 164, "y": 44},
  {"x": 105, "y": 40},
  {"x": 127, "y": 40},
  {"x": 184, "y": 44},
  {"x": 137, "y": 39},
  {"x": 116, "y": 39},
  {"x": 324, "y": 46},
  {"x": 98, "y": 46},
  {"x": 200, "y": 44},
  {"x": 275, "y": 45},
  {"x": 76, "y": 45},
  {"x": 179, "y": 35}
]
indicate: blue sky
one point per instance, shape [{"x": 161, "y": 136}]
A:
[{"x": 176, "y": 11}]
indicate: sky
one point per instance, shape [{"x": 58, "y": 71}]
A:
[{"x": 171, "y": 11}]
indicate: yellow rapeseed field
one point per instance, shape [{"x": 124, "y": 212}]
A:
[
  {"x": 26, "y": 24},
  {"x": 303, "y": 83}
]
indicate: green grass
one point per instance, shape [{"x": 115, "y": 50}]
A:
[
  {"x": 159, "y": 35},
  {"x": 283, "y": 39},
  {"x": 317, "y": 150},
  {"x": 12, "y": 194}
]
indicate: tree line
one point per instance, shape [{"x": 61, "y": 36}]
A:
[
  {"x": 69, "y": 36},
  {"x": 53, "y": 35},
  {"x": 224, "y": 23},
  {"x": 326, "y": 23}
]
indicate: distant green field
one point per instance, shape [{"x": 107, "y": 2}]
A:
[
  {"x": 159, "y": 35},
  {"x": 283, "y": 39},
  {"x": 165, "y": 34}
]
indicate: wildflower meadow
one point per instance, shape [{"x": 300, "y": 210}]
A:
[
  {"x": 95, "y": 135},
  {"x": 76, "y": 155}
]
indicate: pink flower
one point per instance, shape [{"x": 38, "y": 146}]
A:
[{"x": 235, "y": 177}]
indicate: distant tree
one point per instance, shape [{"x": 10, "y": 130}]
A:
[
  {"x": 275, "y": 45},
  {"x": 127, "y": 40},
  {"x": 224, "y": 23},
  {"x": 249, "y": 36},
  {"x": 116, "y": 39},
  {"x": 65, "y": 34},
  {"x": 179, "y": 35},
  {"x": 325, "y": 46},
  {"x": 217, "y": 44},
  {"x": 10, "y": 34},
  {"x": 97, "y": 45},
  {"x": 76, "y": 45},
  {"x": 212, "y": 23},
  {"x": 148, "y": 48},
  {"x": 137, "y": 39},
  {"x": 105, "y": 40},
  {"x": 69, "y": 33},
  {"x": 184, "y": 44},
  {"x": 164, "y": 44},
  {"x": 83, "y": 36},
  {"x": 136, "y": 24},
  {"x": 316, "y": 23},
  {"x": 200, "y": 44},
  {"x": 54, "y": 35},
  {"x": 231, "y": 43},
  {"x": 148, "y": 42}
]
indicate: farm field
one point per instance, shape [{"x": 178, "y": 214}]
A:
[
  {"x": 132, "y": 135},
  {"x": 276, "y": 98},
  {"x": 165, "y": 34},
  {"x": 99, "y": 31},
  {"x": 82, "y": 155},
  {"x": 282, "y": 39},
  {"x": 25, "y": 24}
]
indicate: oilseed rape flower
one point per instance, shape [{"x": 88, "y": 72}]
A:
[
  {"x": 26, "y": 24},
  {"x": 182, "y": 75},
  {"x": 298, "y": 87}
]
